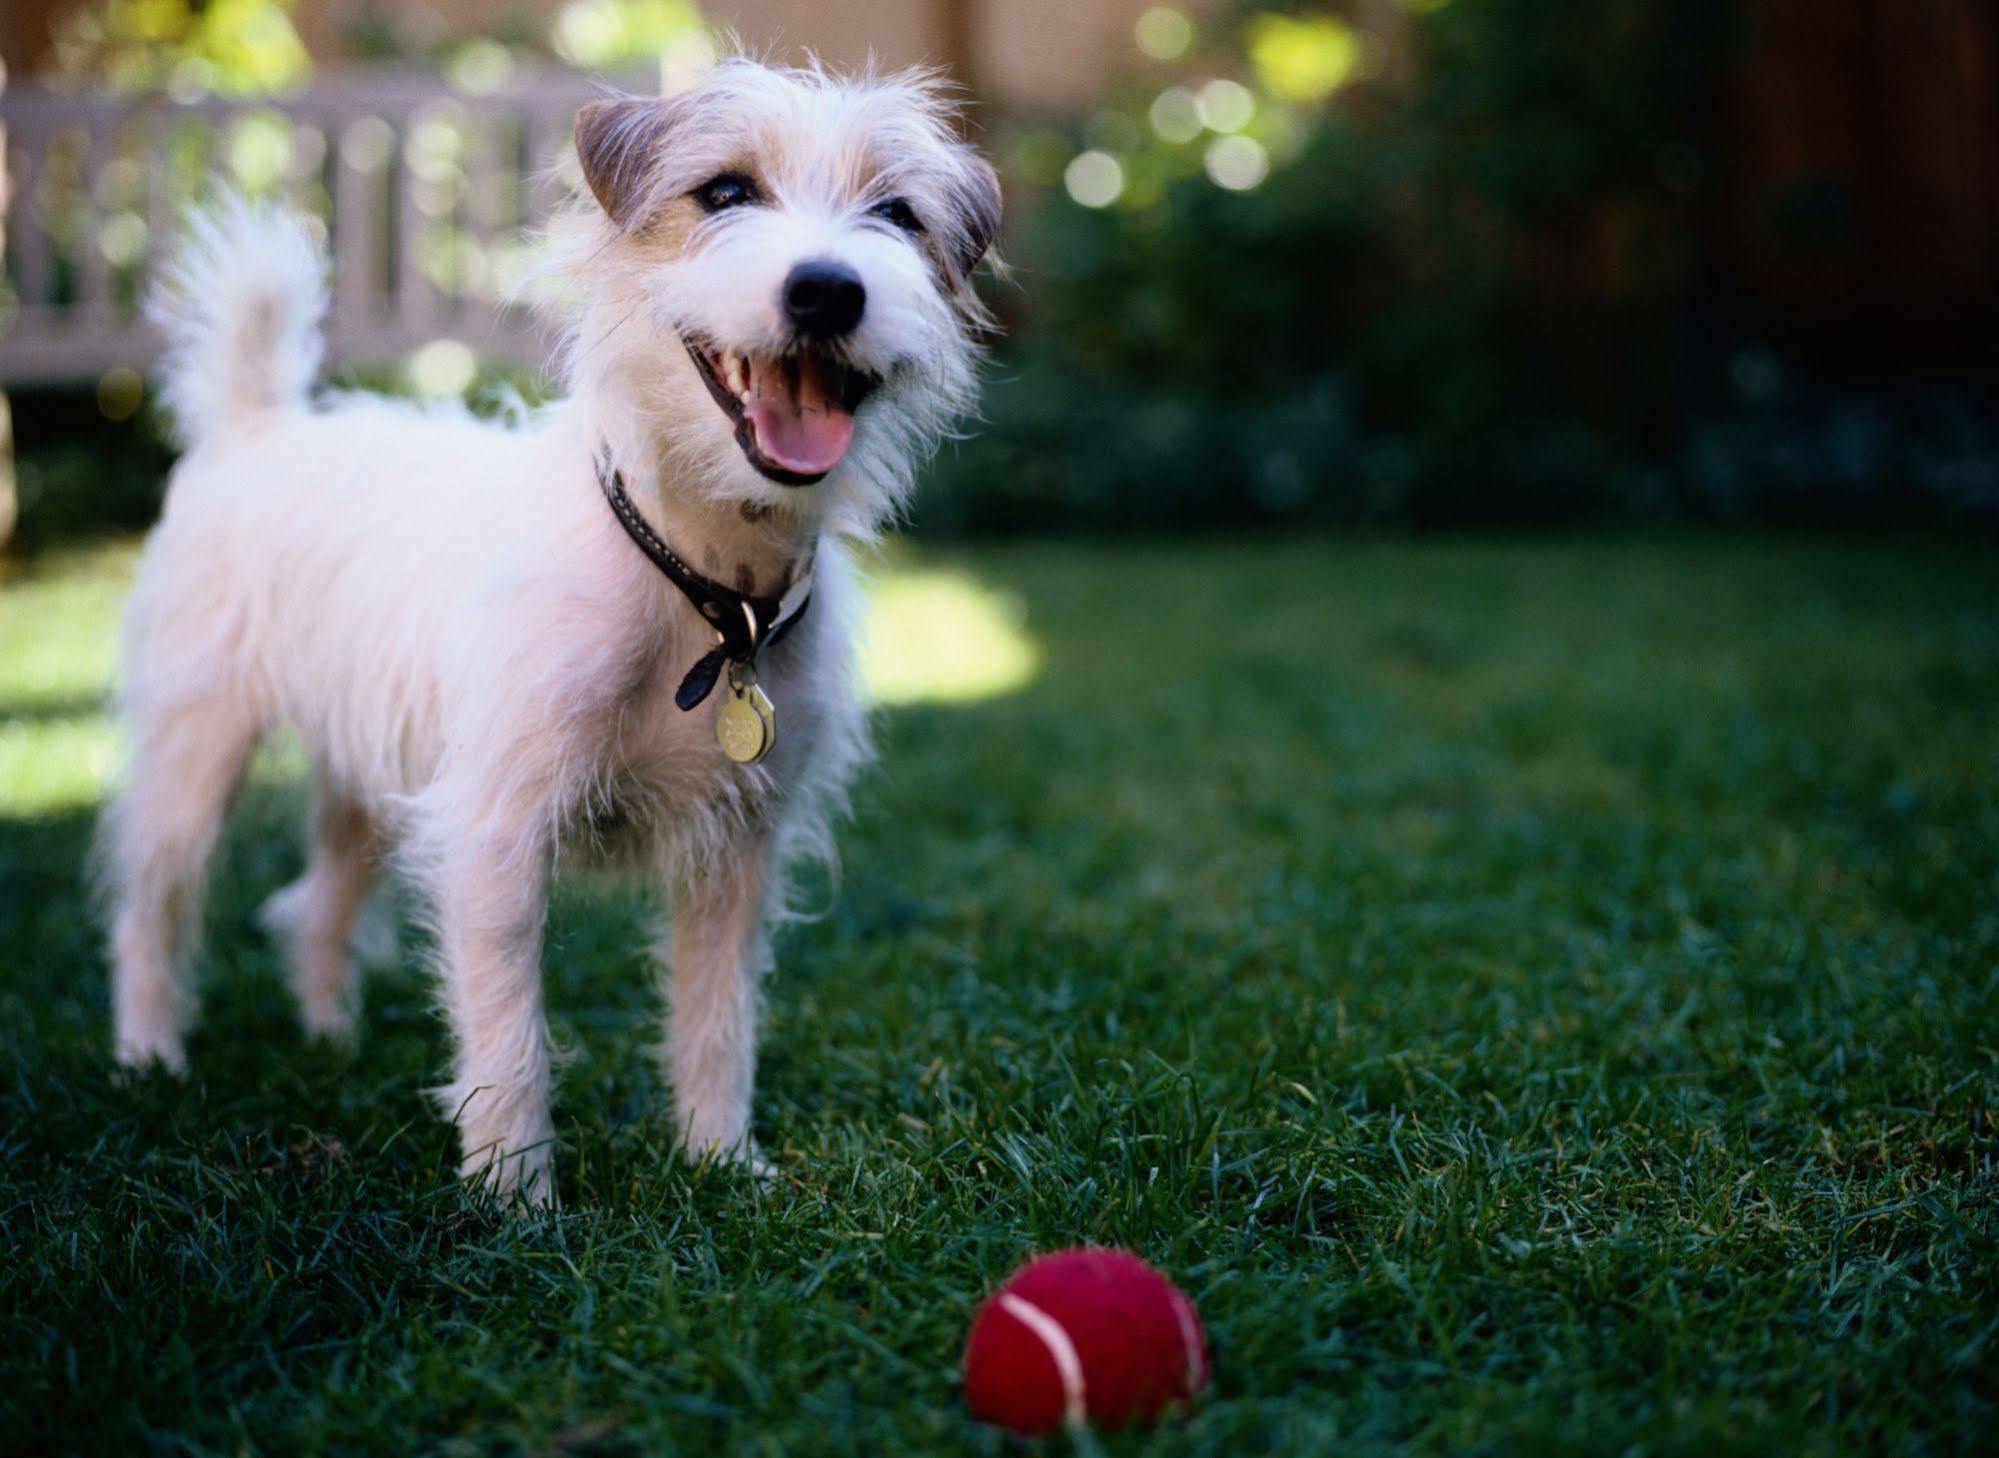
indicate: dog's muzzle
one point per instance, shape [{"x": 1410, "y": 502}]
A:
[{"x": 793, "y": 413}]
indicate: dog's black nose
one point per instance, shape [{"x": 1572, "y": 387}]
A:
[{"x": 824, "y": 299}]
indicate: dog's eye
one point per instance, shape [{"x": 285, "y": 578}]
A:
[
  {"x": 730, "y": 190},
  {"x": 899, "y": 213}
]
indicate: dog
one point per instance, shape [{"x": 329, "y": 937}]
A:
[{"x": 771, "y": 321}]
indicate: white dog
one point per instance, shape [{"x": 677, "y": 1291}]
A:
[{"x": 501, "y": 645}]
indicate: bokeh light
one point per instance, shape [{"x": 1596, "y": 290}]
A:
[
  {"x": 260, "y": 150},
  {"x": 1303, "y": 58},
  {"x": 1174, "y": 115},
  {"x": 436, "y": 147},
  {"x": 442, "y": 367},
  {"x": 1164, "y": 33},
  {"x": 119, "y": 391},
  {"x": 1236, "y": 162},
  {"x": 122, "y": 239},
  {"x": 479, "y": 66},
  {"x": 1225, "y": 105},
  {"x": 602, "y": 33},
  {"x": 586, "y": 33},
  {"x": 367, "y": 144},
  {"x": 1094, "y": 179}
]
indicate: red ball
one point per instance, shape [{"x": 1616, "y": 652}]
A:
[{"x": 1090, "y": 1334}]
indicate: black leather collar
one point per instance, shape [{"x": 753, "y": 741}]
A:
[{"x": 744, "y": 625}]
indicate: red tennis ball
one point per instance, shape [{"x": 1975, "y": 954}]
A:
[{"x": 1083, "y": 1335}]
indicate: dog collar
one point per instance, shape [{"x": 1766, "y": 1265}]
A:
[{"x": 744, "y": 626}]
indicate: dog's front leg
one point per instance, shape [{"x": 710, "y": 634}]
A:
[
  {"x": 491, "y": 892},
  {"x": 717, "y": 955}
]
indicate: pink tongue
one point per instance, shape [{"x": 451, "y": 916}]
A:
[{"x": 799, "y": 426}]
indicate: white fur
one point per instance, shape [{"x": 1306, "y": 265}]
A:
[
  {"x": 479, "y": 661},
  {"x": 240, "y": 310}
]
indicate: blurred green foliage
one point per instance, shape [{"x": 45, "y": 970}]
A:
[
  {"x": 188, "y": 47},
  {"x": 1445, "y": 270},
  {"x": 251, "y": 48}
]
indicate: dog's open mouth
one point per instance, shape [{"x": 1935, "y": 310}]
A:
[{"x": 793, "y": 413}]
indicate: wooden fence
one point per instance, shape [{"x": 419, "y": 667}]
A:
[{"x": 423, "y": 194}]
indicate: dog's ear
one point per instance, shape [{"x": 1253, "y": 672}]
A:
[
  {"x": 618, "y": 142},
  {"x": 976, "y": 197}
]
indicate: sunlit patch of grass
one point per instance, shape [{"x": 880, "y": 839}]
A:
[
  {"x": 58, "y": 638},
  {"x": 59, "y": 627},
  {"x": 59, "y": 748},
  {"x": 58, "y": 764},
  {"x": 939, "y": 635}
]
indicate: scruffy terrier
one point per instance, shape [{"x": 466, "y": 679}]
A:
[{"x": 581, "y": 634}]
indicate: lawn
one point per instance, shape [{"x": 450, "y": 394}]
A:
[{"x": 1535, "y": 996}]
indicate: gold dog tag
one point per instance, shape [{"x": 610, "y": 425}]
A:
[{"x": 746, "y": 726}]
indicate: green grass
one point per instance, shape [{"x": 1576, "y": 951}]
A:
[{"x": 1536, "y": 997}]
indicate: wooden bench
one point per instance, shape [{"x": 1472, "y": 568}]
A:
[{"x": 422, "y": 192}]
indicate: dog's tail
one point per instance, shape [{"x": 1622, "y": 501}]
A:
[{"x": 239, "y": 306}]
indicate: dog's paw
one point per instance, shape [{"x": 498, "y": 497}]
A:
[
  {"x": 740, "y": 1156},
  {"x": 757, "y": 1167},
  {"x": 331, "y": 1021},
  {"x": 523, "y": 1182},
  {"x": 143, "y": 1050},
  {"x": 535, "y": 1196}
]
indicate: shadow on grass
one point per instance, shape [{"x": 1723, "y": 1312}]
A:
[{"x": 29, "y": 709}]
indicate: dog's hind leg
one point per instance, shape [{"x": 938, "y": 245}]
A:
[
  {"x": 314, "y": 917},
  {"x": 159, "y": 835},
  {"x": 717, "y": 956}
]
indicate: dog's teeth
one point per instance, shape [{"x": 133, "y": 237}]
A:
[{"x": 736, "y": 372}]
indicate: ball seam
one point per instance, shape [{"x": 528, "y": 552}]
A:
[
  {"x": 1190, "y": 1340},
  {"x": 1061, "y": 1351}
]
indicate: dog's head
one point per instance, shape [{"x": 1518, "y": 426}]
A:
[{"x": 780, "y": 271}]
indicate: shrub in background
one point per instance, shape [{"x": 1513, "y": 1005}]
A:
[
  {"x": 1446, "y": 271},
  {"x": 78, "y": 472}
]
